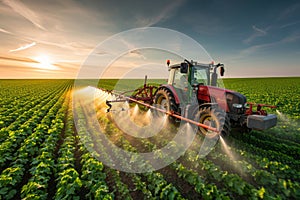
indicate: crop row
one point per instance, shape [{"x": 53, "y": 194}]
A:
[
  {"x": 14, "y": 91},
  {"x": 42, "y": 168},
  {"x": 269, "y": 143},
  {"x": 282, "y": 92},
  {"x": 234, "y": 184},
  {"x": 274, "y": 184},
  {"x": 231, "y": 184},
  {"x": 285, "y": 132},
  {"x": 72, "y": 179},
  {"x": 43, "y": 157},
  {"x": 33, "y": 107},
  {"x": 68, "y": 181},
  {"x": 207, "y": 190},
  {"x": 61, "y": 167},
  {"x": 156, "y": 185},
  {"x": 119, "y": 188},
  {"x": 39, "y": 122},
  {"x": 289, "y": 145},
  {"x": 14, "y": 105},
  {"x": 33, "y": 138},
  {"x": 264, "y": 181},
  {"x": 256, "y": 148},
  {"x": 251, "y": 162}
]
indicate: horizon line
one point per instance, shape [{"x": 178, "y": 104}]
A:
[{"x": 89, "y": 78}]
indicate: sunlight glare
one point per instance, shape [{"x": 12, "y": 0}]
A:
[{"x": 44, "y": 62}]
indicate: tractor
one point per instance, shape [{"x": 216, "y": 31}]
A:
[{"x": 192, "y": 95}]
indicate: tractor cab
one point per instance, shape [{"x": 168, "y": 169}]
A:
[
  {"x": 192, "y": 73},
  {"x": 187, "y": 76}
]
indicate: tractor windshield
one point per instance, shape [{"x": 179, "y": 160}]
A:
[
  {"x": 200, "y": 75},
  {"x": 180, "y": 80}
]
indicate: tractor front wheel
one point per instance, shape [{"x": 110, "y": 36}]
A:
[
  {"x": 165, "y": 100},
  {"x": 215, "y": 118}
]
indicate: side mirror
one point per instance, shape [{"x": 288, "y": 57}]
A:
[
  {"x": 184, "y": 68},
  {"x": 222, "y": 70}
]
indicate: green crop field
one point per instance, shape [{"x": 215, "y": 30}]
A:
[{"x": 42, "y": 155}]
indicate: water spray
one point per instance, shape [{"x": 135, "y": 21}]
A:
[{"x": 122, "y": 98}]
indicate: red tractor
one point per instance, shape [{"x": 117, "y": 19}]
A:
[{"x": 192, "y": 95}]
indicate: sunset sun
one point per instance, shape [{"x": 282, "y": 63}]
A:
[{"x": 45, "y": 62}]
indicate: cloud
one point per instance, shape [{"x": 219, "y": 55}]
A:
[
  {"x": 23, "y": 47},
  {"x": 80, "y": 45},
  {"x": 18, "y": 59},
  {"x": 137, "y": 53},
  {"x": 257, "y": 33},
  {"x": 291, "y": 38},
  {"x": 65, "y": 65},
  {"x": 78, "y": 48},
  {"x": 290, "y": 24},
  {"x": 4, "y": 31},
  {"x": 101, "y": 53},
  {"x": 262, "y": 32},
  {"x": 24, "y": 11},
  {"x": 289, "y": 11},
  {"x": 165, "y": 14},
  {"x": 255, "y": 48}
]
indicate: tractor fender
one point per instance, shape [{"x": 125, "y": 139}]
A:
[
  {"x": 208, "y": 105},
  {"x": 172, "y": 90}
]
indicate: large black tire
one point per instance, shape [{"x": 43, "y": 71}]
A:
[
  {"x": 226, "y": 127},
  {"x": 165, "y": 99},
  {"x": 215, "y": 118}
]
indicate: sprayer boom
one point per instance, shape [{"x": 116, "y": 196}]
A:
[{"x": 122, "y": 98}]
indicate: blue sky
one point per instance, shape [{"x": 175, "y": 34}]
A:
[{"x": 51, "y": 39}]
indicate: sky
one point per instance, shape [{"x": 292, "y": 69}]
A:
[{"x": 54, "y": 39}]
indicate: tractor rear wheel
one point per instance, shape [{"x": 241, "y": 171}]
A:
[
  {"x": 165, "y": 100},
  {"x": 215, "y": 118}
]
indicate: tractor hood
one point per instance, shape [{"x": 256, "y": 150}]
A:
[
  {"x": 217, "y": 89},
  {"x": 228, "y": 100}
]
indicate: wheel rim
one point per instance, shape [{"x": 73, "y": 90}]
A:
[
  {"x": 162, "y": 101},
  {"x": 208, "y": 121}
]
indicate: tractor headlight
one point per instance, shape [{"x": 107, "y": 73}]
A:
[{"x": 237, "y": 105}]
